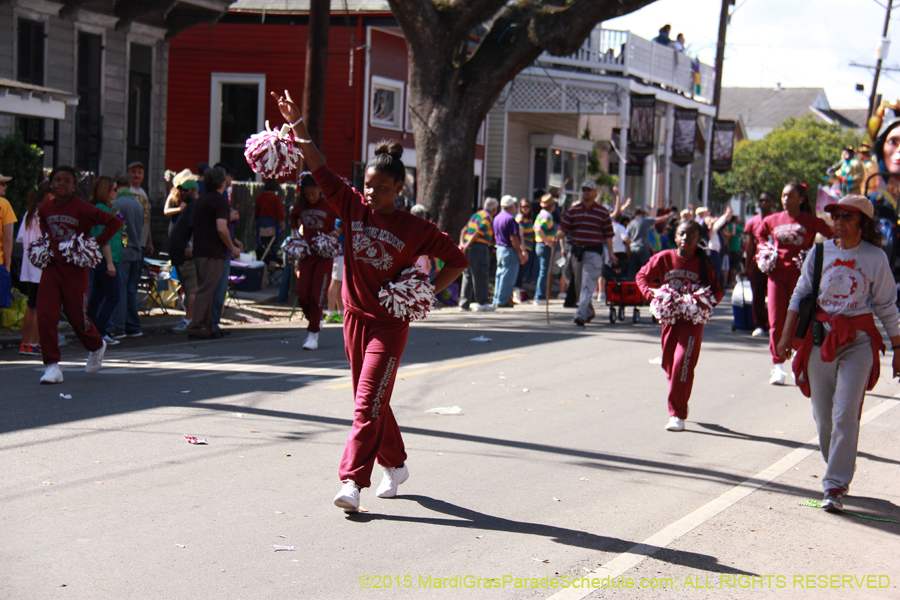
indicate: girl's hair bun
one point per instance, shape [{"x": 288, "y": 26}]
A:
[{"x": 391, "y": 148}]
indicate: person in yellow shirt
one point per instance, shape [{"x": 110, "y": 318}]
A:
[{"x": 7, "y": 218}]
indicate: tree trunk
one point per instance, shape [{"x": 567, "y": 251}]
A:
[
  {"x": 452, "y": 89},
  {"x": 316, "y": 69}
]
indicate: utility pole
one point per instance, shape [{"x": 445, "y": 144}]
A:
[
  {"x": 717, "y": 97},
  {"x": 887, "y": 20}
]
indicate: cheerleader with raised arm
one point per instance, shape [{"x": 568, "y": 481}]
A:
[{"x": 382, "y": 242}]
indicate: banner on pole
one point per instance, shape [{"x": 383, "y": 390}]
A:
[
  {"x": 642, "y": 129},
  {"x": 683, "y": 136},
  {"x": 722, "y": 145}
]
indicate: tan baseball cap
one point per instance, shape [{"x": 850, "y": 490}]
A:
[
  {"x": 853, "y": 202},
  {"x": 4, "y": 178}
]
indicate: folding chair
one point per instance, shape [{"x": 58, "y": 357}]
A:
[{"x": 233, "y": 282}]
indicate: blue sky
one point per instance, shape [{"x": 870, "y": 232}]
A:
[{"x": 798, "y": 43}]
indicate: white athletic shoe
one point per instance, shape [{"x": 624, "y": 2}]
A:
[
  {"x": 758, "y": 332},
  {"x": 348, "y": 497},
  {"x": 778, "y": 376},
  {"x": 483, "y": 308},
  {"x": 675, "y": 424},
  {"x": 540, "y": 302},
  {"x": 392, "y": 480},
  {"x": 52, "y": 374},
  {"x": 109, "y": 341},
  {"x": 95, "y": 360},
  {"x": 312, "y": 341}
]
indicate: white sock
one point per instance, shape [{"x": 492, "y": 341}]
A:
[{"x": 779, "y": 368}]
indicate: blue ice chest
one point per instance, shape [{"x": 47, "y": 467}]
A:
[
  {"x": 742, "y": 306},
  {"x": 252, "y": 272}
]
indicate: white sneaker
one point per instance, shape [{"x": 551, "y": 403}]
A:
[
  {"x": 95, "y": 359},
  {"x": 109, "y": 341},
  {"x": 348, "y": 497},
  {"x": 393, "y": 477},
  {"x": 778, "y": 376},
  {"x": 758, "y": 332},
  {"x": 181, "y": 327},
  {"x": 484, "y": 308},
  {"x": 675, "y": 424},
  {"x": 312, "y": 341},
  {"x": 540, "y": 303},
  {"x": 52, "y": 374},
  {"x": 561, "y": 296}
]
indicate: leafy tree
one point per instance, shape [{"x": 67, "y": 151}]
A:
[
  {"x": 797, "y": 150},
  {"x": 452, "y": 86},
  {"x": 23, "y": 162}
]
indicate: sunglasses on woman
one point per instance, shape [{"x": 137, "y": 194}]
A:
[{"x": 843, "y": 216}]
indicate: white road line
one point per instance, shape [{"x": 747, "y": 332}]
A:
[{"x": 663, "y": 538}]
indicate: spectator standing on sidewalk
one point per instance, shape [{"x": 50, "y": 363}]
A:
[
  {"x": 104, "y": 295},
  {"x": 758, "y": 279},
  {"x": 182, "y": 258},
  {"x": 545, "y": 228},
  {"x": 136, "y": 178},
  {"x": 510, "y": 254},
  {"x": 29, "y": 231},
  {"x": 475, "y": 240},
  {"x": 212, "y": 243},
  {"x": 7, "y": 218},
  {"x": 125, "y": 320},
  {"x": 591, "y": 232}
]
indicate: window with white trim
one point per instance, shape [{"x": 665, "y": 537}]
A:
[{"x": 387, "y": 102}]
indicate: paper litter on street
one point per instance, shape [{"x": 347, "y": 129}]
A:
[
  {"x": 446, "y": 410},
  {"x": 481, "y": 338},
  {"x": 196, "y": 441}
]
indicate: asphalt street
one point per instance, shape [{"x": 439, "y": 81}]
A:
[{"x": 556, "y": 473}]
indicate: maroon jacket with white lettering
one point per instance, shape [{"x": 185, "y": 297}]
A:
[
  {"x": 63, "y": 222},
  {"x": 378, "y": 247}
]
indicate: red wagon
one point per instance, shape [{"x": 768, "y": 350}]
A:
[{"x": 620, "y": 294}]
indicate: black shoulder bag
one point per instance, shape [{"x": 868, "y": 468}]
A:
[{"x": 808, "y": 304}]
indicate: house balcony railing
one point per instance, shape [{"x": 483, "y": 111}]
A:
[{"x": 612, "y": 52}]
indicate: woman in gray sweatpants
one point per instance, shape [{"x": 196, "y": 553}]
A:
[{"x": 838, "y": 360}]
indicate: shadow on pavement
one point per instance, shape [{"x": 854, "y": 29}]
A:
[{"x": 470, "y": 519}]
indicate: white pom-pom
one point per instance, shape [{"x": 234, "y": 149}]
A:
[
  {"x": 39, "y": 252},
  {"x": 767, "y": 257},
  {"x": 690, "y": 303},
  {"x": 296, "y": 249},
  {"x": 272, "y": 154},
  {"x": 410, "y": 297},
  {"x": 326, "y": 246},
  {"x": 81, "y": 251},
  {"x": 800, "y": 259}
]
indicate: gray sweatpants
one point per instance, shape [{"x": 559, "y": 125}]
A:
[
  {"x": 590, "y": 268},
  {"x": 837, "y": 390}
]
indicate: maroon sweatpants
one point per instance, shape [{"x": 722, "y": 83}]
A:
[
  {"x": 781, "y": 286},
  {"x": 312, "y": 289},
  {"x": 680, "y": 351},
  {"x": 65, "y": 286},
  {"x": 374, "y": 349}
]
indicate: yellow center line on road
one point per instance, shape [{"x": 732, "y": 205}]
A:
[{"x": 472, "y": 363}]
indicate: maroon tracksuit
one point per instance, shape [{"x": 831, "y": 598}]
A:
[
  {"x": 315, "y": 270},
  {"x": 793, "y": 236},
  {"x": 681, "y": 340},
  {"x": 65, "y": 285},
  {"x": 378, "y": 248}
]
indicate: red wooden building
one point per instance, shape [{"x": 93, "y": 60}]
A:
[{"x": 220, "y": 78}]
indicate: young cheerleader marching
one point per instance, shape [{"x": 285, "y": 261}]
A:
[
  {"x": 64, "y": 284},
  {"x": 317, "y": 218},
  {"x": 381, "y": 243},
  {"x": 793, "y": 231},
  {"x": 678, "y": 269}
]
